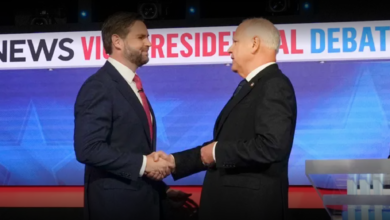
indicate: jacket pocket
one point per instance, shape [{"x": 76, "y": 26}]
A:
[
  {"x": 241, "y": 181},
  {"x": 111, "y": 183}
]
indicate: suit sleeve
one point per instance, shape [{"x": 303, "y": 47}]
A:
[
  {"x": 93, "y": 121},
  {"x": 274, "y": 127},
  {"x": 188, "y": 162}
]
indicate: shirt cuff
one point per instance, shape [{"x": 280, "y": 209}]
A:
[
  {"x": 174, "y": 161},
  {"x": 214, "y": 151},
  {"x": 143, "y": 167}
]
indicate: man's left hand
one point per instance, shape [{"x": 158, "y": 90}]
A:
[
  {"x": 206, "y": 154},
  {"x": 179, "y": 199},
  {"x": 177, "y": 195}
]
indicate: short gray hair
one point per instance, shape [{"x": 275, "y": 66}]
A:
[{"x": 266, "y": 31}]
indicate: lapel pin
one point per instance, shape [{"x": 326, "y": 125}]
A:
[{"x": 252, "y": 84}]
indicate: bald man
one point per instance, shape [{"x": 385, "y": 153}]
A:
[{"x": 247, "y": 160}]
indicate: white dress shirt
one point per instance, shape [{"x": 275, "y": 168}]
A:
[
  {"x": 128, "y": 75},
  {"x": 248, "y": 78}
]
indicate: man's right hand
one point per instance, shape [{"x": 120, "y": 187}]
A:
[
  {"x": 157, "y": 168},
  {"x": 161, "y": 154}
]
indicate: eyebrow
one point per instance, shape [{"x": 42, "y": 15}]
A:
[{"x": 143, "y": 35}]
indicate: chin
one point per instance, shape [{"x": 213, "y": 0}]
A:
[
  {"x": 234, "y": 69},
  {"x": 145, "y": 61}
]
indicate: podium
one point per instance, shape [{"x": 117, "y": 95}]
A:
[{"x": 352, "y": 189}]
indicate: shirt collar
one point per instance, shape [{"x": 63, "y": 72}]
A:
[
  {"x": 126, "y": 73},
  {"x": 254, "y": 72}
]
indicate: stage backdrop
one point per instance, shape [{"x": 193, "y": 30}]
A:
[{"x": 343, "y": 105}]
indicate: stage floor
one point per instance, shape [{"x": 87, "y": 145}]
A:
[{"x": 300, "y": 197}]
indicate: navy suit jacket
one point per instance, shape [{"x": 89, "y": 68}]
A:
[{"x": 111, "y": 136}]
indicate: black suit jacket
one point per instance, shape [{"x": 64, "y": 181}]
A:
[
  {"x": 111, "y": 136},
  {"x": 255, "y": 132}
]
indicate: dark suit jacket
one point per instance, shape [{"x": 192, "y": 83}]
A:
[
  {"x": 111, "y": 135},
  {"x": 255, "y": 132}
]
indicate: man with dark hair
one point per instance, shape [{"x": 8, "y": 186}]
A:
[{"x": 115, "y": 130}]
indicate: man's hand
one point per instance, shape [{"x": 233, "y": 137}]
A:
[
  {"x": 177, "y": 195},
  {"x": 157, "y": 170},
  {"x": 206, "y": 154},
  {"x": 160, "y": 154},
  {"x": 180, "y": 199}
]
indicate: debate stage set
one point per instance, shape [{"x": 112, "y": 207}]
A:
[{"x": 340, "y": 71}]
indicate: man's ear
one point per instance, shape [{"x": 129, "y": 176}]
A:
[
  {"x": 256, "y": 43},
  {"x": 117, "y": 42}
]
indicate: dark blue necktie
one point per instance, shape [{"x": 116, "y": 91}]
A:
[{"x": 239, "y": 87}]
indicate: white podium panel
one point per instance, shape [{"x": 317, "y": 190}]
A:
[{"x": 352, "y": 189}]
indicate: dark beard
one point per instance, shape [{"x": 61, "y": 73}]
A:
[{"x": 135, "y": 57}]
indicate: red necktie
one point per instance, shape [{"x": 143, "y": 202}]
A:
[{"x": 145, "y": 104}]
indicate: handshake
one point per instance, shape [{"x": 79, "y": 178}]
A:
[{"x": 159, "y": 165}]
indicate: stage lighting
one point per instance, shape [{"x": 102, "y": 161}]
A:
[
  {"x": 307, "y": 7},
  {"x": 85, "y": 11},
  {"x": 42, "y": 18},
  {"x": 278, "y": 5},
  {"x": 149, "y": 10},
  {"x": 192, "y": 7}
]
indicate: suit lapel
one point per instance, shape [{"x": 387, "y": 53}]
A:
[
  {"x": 130, "y": 96},
  {"x": 154, "y": 124},
  {"x": 217, "y": 122},
  {"x": 230, "y": 106},
  {"x": 241, "y": 95}
]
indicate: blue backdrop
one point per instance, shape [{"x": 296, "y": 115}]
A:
[{"x": 343, "y": 113}]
